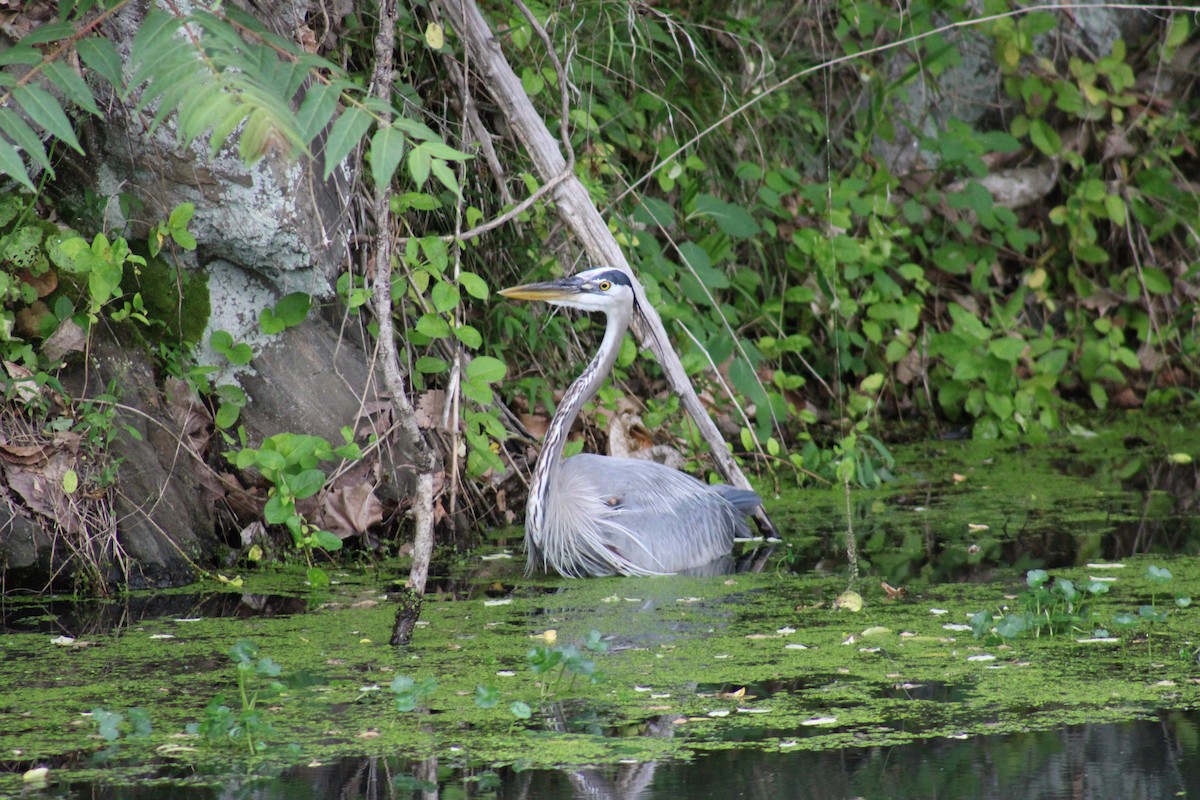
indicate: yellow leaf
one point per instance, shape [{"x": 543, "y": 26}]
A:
[
  {"x": 851, "y": 601},
  {"x": 70, "y": 481},
  {"x": 435, "y": 36}
]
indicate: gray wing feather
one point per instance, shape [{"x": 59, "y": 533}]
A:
[{"x": 626, "y": 516}]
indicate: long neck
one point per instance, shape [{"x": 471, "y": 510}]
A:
[{"x": 582, "y": 390}]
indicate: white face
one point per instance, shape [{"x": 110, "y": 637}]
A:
[{"x": 599, "y": 292}]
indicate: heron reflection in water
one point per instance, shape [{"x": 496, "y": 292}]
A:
[{"x": 591, "y": 515}]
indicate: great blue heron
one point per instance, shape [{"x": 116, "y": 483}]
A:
[{"x": 601, "y": 515}]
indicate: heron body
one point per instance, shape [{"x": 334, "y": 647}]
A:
[{"x": 591, "y": 515}]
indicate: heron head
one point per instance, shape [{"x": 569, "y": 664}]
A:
[{"x": 604, "y": 289}]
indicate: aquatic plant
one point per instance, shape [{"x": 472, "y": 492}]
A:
[
  {"x": 112, "y": 725},
  {"x": 222, "y": 724},
  {"x": 1050, "y": 607}
]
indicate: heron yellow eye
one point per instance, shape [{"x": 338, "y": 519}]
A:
[{"x": 604, "y": 285}]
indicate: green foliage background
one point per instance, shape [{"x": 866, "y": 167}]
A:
[{"x": 824, "y": 297}]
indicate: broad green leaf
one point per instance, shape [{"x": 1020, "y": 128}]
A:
[
  {"x": 444, "y": 151},
  {"x": 221, "y": 341},
  {"x": 418, "y": 165},
  {"x": 477, "y": 391},
  {"x": 292, "y": 309},
  {"x": 430, "y": 366},
  {"x": 731, "y": 219},
  {"x": 387, "y": 149},
  {"x": 445, "y": 176},
  {"x": 43, "y": 108},
  {"x": 277, "y": 511},
  {"x": 99, "y": 55},
  {"x": 306, "y": 483},
  {"x": 433, "y": 326},
  {"x": 227, "y": 414},
  {"x": 268, "y": 460},
  {"x": 486, "y": 369},
  {"x": 345, "y": 135},
  {"x": 269, "y": 323},
  {"x": 326, "y": 540},
  {"x": 532, "y": 82},
  {"x": 445, "y": 296},
  {"x": 469, "y": 336},
  {"x": 1156, "y": 280},
  {"x": 475, "y": 285},
  {"x": 415, "y": 129},
  {"x": 1044, "y": 137},
  {"x": 1007, "y": 348}
]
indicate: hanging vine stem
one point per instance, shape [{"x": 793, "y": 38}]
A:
[{"x": 424, "y": 460}]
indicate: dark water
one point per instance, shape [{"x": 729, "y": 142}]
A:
[{"x": 1143, "y": 760}]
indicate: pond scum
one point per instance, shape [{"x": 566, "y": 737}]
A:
[{"x": 547, "y": 673}]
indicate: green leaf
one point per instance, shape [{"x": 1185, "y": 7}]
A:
[
  {"x": 487, "y": 696},
  {"x": 532, "y": 82},
  {"x": 486, "y": 369},
  {"x": 21, "y": 53},
  {"x": 429, "y": 365},
  {"x": 326, "y": 540},
  {"x": 12, "y": 165},
  {"x": 1007, "y": 348},
  {"x": 292, "y": 309},
  {"x": 227, "y": 414},
  {"x": 24, "y": 137},
  {"x": 43, "y": 108},
  {"x": 730, "y": 219},
  {"x": 240, "y": 354},
  {"x": 419, "y": 162},
  {"x": 433, "y": 326},
  {"x": 221, "y": 341},
  {"x": 1044, "y": 137},
  {"x": 73, "y": 86},
  {"x": 70, "y": 481},
  {"x": 387, "y": 149},
  {"x": 1156, "y": 280},
  {"x": 445, "y": 296},
  {"x": 445, "y": 176},
  {"x": 270, "y": 324},
  {"x": 99, "y": 55},
  {"x": 442, "y": 150},
  {"x": 316, "y": 109},
  {"x": 278, "y": 511},
  {"x": 469, "y": 336},
  {"x": 306, "y": 483},
  {"x": 476, "y": 286},
  {"x": 345, "y": 135}
]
